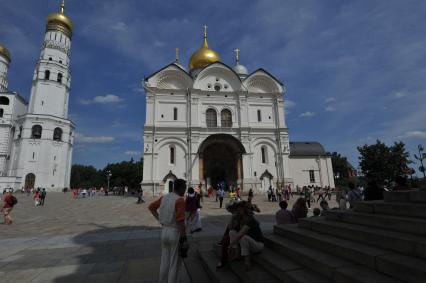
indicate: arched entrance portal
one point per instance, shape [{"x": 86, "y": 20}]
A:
[
  {"x": 29, "y": 181},
  {"x": 220, "y": 158},
  {"x": 168, "y": 181}
]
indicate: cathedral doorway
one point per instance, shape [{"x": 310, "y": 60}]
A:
[
  {"x": 220, "y": 158},
  {"x": 168, "y": 181},
  {"x": 29, "y": 181}
]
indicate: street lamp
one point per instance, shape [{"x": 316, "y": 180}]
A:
[
  {"x": 108, "y": 175},
  {"x": 420, "y": 158}
]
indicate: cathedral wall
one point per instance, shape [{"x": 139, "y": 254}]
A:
[{"x": 300, "y": 167}]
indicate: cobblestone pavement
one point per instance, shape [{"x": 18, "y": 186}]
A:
[{"x": 96, "y": 239}]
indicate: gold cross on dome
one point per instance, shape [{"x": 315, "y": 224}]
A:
[
  {"x": 177, "y": 54},
  {"x": 205, "y": 31},
  {"x": 237, "y": 54},
  {"x": 63, "y": 6}
]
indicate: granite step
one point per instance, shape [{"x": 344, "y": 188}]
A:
[
  {"x": 412, "y": 196},
  {"x": 384, "y": 261},
  {"x": 387, "y": 222},
  {"x": 209, "y": 261},
  {"x": 239, "y": 269},
  {"x": 195, "y": 269},
  {"x": 352, "y": 251},
  {"x": 401, "y": 209},
  {"x": 330, "y": 266},
  {"x": 411, "y": 245},
  {"x": 287, "y": 270}
]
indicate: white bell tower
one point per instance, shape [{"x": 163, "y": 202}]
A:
[
  {"x": 4, "y": 67},
  {"x": 52, "y": 78},
  {"x": 43, "y": 143}
]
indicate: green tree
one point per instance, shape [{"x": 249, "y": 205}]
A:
[
  {"x": 341, "y": 167},
  {"x": 85, "y": 176},
  {"x": 382, "y": 163},
  {"x": 125, "y": 173}
]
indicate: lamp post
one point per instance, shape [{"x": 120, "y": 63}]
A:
[
  {"x": 108, "y": 175},
  {"x": 420, "y": 158}
]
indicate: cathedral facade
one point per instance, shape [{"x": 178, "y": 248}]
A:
[
  {"x": 36, "y": 138},
  {"x": 218, "y": 123}
]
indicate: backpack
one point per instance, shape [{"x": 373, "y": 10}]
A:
[{"x": 14, "y": 201}]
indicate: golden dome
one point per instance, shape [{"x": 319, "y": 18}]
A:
[
  {"x": 5, "y": 52},
  {"x": 203, "y": 56},
  {"x": 60, "y": 22}
]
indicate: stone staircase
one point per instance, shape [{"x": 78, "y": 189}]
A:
[{"x": 378, "y": 241}]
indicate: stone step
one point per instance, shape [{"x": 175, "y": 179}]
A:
[
  {"x": 392, "y": 208},
  {"x": 349, "y": 250},
  {"x": 209, "y": 261},
  {"x": 383, "y": 261},
  {"x": 247, "y": 276},
  {"x": 387, "y": 222},
  {"x": 411, "y": 245},
  {"x": 195, "y": 269},
  {"x": 287, "y": 270},
  {"x": 330, "y": 266},
  {"x": 417, "y": 196}
]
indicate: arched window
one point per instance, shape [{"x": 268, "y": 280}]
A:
[
  {"x": 59, "y": 80},
  {"x": 4, "y": 100},
  {"x": 264, "y": 153},
  {"x": 36, "y": 132},
  {"x": 175, "y": 114},
  {"x": 1, "y": 112},
  {"x": 47, "y": 75},
  {"x": 226, "y": 118},
  {"x": 20, "y": 132},
  {"x": 211, "y": 118},
  {"x": 259, "y": 116},
  {"x": 172, "y": 155},
  {"x": 57, "y": 134}
]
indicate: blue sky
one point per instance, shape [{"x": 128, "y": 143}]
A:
[{"x": 354, "y": 70}]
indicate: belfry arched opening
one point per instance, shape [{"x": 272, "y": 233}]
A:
[{"x": 220, "y": 160}]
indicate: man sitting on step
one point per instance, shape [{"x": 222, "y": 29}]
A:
[{"x": 249, "y": 238}]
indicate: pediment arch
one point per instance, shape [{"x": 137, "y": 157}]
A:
[
  {"x": 261, "y": 81},
  {"x": 170, "y": 77},
  {"x": 217, "y": 75}
]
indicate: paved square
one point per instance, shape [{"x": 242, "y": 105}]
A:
[{"x": 95, "y": 239}]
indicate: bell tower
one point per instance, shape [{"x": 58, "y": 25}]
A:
[
  {"x": 4, "y": 67},
  {"x": 52, "y": 79}
]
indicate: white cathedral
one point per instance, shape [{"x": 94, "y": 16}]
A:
[
  {"x": 36, "y": 139},
  {"x": 216, "y": 123}
]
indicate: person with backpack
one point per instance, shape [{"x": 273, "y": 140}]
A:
[
  {"x": 354, "y": 195},
  {"x": 37, "y": 197},
  {"x": 9, "y": 202},
  {"x": 43, "y": 196}
]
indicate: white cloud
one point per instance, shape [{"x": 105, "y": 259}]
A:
[
  {"x": 413, "y": 135},
  {"x": 133, "y": 152},
  {"x": 119, "y": 26},
  {"x": 399, "y": 94},
  {"x": 289, "y": 104},
  {"x": 330, "y": 108},
  {"x": 330, "y": 99},
  {"x": 117, "y": 124},
  {"x": 93, "y": 139},
  {"x": 109, "y": 98},
  {"x": 307, "y": 114}
]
